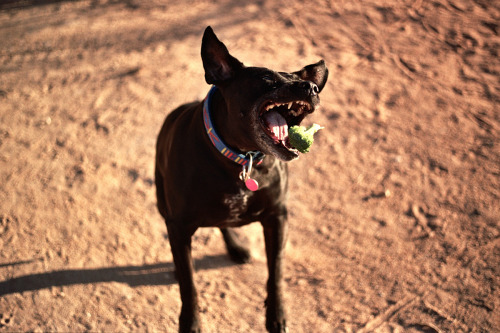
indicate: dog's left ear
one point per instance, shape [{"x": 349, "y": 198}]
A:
[
  {"x": 219, "y": 65},
  {"x": 317, "y": 73}
]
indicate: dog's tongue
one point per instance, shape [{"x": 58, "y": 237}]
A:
[{"x": 277, "y": 125}]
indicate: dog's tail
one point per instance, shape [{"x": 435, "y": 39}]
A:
[{"x": 160, "y": 193}]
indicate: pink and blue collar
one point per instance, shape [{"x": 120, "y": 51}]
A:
[{"x": 233, "y": 155}]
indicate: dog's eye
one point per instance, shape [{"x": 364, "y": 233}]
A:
[{"x": 270, "y": 79}]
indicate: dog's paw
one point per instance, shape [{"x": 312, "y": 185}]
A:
[
  {"x": 277, "y": 327},
  {"x": 189, "y": 323},
  {"x": 190, "y": 328},
  {"x": 239, "y": 254},
  {"x": 236, "y": 248},
  {"x": 275, "y": 318}
]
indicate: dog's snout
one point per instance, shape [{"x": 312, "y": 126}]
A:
[{"x": 310, "y": 87}]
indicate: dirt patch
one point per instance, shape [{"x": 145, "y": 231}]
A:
[{"x": 395, "y": 212}]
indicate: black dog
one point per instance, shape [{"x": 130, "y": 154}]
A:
[{"x": 219, "y": 163}]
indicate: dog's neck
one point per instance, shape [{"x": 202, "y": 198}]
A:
[{"x": 242, "y": 158}]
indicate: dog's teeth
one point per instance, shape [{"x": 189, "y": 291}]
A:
[{"x": 290, "y": 105}]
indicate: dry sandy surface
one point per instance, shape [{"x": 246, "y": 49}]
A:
[{"x": 395, "y": 212}]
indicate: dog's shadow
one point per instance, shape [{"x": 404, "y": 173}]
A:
[{"x": 152, "y": 274}]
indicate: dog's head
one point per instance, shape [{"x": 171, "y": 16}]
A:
[{"x": 261, "y": 103}]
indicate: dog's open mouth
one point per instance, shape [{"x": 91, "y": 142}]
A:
[{"x": 277, "y": 117}]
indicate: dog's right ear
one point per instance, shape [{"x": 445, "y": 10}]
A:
[{"x": 219, "y": 65}]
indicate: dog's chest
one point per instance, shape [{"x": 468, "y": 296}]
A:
[{"x": 237, "y": 206}]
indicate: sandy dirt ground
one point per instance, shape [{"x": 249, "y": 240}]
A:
[{"x": 395, "y": 212}]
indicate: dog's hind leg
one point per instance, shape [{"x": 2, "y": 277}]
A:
[
  {"x": 238, "y": 252},
  {"x": 180, "y": 244}
]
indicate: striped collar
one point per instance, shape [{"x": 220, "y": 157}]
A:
[{"x": 234, "y": 155}]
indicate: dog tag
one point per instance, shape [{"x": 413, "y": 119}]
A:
[{"x": 252, "y": 184}]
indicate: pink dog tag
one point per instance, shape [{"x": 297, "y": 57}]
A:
[{"x": 252, "y": 184}]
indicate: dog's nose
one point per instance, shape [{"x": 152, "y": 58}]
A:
[{"x": 310, "y": 87}]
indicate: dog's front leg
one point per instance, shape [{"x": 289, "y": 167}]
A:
[
  {"x": 275, "y": 234},
  {"x": 180, "y": 244}
]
